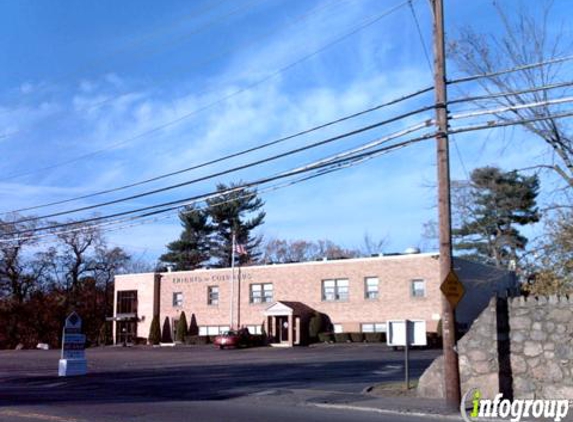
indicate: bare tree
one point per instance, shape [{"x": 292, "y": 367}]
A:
[
  {"x": 17, "y": 277},
  {"x": 371, "y": 246},
  {"x": 526, "y": 39},
  {"x": 280, "y": 250}
]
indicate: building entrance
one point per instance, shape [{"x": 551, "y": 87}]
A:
[
  {"x": 282, "y": 328},
  {"x": 126, "y": 332}
]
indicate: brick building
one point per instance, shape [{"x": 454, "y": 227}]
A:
[{"x": 357, "y": 295}]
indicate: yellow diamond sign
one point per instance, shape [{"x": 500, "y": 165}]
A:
[{"x": 453, "y": 289}]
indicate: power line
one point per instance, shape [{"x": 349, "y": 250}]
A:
[
  {"x": 181, "y": 202},
  {"x": 324, "y": 47},
  {"x": 421, "y": 37},
  {"x": 237, "y": 168},
  {"x": 236, "y": 154},
  {"x": 511, "y": 70},
  {"x": 510, "y": 93},
  {"x": 512, "y": 108},
  {"x": 503, "y": 123}
]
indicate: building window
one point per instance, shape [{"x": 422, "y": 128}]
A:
[
  {"x": 337, "y": 328},
  {"x": 261, "y": 293},
  {"x": 418, "y": 288},
  {"x": 127, "y": 302},
  {"x": 376, "y": 327},
  {"x": 213, "y": 295},
  {"x": 255, "y": 329},
  {"x": 212, "y": 330},
  {"x": 371, "y": 287},
  {"x": 177, "y": 299},
  {"x": 335, "y": 290}
]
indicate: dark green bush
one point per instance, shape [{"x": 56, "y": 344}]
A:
[
  {"x": 182, "y": 328},
  {"x": 342, "y": 337},
  {"x": 202, "y": 340},
  {"x": 166, "y": 336},
  {"x": 325, "y": 337},
  {"x": 193, "y": 327},
  {"x": 373, "y": 337},
  {"x": 211, "y": 339},
  {"x": 258, "y": 340},
  {"x": 315, "y": 326},
  {"x": 357, "y": 337},
  {"x": 154, "y": 331}
]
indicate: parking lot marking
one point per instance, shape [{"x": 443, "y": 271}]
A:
[{"x": 36, "y": 416}]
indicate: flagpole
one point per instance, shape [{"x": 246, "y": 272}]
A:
[{"x": 232, "y": 279}]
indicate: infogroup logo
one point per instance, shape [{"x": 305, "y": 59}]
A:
[{"x": 475, "y": 408}]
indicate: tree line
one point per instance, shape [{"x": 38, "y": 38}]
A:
[{"x": 40, "y": 285}]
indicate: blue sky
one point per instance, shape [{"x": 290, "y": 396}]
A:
[{"x": 80, "y": 77}]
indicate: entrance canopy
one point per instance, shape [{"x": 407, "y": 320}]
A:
[{"x": 285, "y": 320}]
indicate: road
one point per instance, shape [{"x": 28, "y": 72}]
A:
[{"x": 201, "y": 383}]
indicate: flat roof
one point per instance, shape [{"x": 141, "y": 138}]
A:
[{"x": 317, "y": 262}]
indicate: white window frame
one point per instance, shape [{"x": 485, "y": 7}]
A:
[
  {"x": 413, "y": 290},
  {"x": 261, "y": 293},
  {"x": 255, "y": 329},
  {"x": 373, "y": 327},
  {"x": 211, "y": 291},
  {"x": 371, "y": 294},
  {"x": 338, "y": 290},
  {"x": 177, "y": 299}
]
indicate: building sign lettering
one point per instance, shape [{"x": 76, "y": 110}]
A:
[{"x": 211, "y": 278}]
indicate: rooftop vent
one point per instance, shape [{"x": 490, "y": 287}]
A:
[{"x": 411, "y": 251}]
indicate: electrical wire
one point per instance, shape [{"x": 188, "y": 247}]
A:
[
  {"x": 235, "y": 154},
  {"x": 235, "y": 169},
  {"x": 335, "y": 160},
  {"x": 421, "y": 37},
  {"x": 511, "y": 108},
  {"x": 324, "y": 47},
  {"x": 510, "y": 93},
  {"x": 511, "y": 70}
]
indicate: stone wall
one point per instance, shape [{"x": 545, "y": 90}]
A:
[
  {"x": 541, "y": 335},
  {"x": 520, "y": 347}
]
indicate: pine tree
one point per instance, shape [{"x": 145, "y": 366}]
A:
[
  {"x": 232, "y": 212},
  {"x": 182, "y": 328},
  {"x": 489, "y": 210},
  {"x": 154, "y": 331},
  {"x": 191, "y": 250},
  {"x": 166, "y": 336},
  {"x": 193, "y": 327}
]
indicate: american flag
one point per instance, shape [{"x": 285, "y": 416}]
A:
[{"x": 240, "y": 249}]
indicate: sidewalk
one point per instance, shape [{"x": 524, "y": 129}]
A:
[{"x": 388, "y": 405}]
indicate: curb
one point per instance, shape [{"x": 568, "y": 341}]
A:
[{"x": 386, "y": 411}]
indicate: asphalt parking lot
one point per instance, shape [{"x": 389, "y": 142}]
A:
[{"x": 143, "y": 375}]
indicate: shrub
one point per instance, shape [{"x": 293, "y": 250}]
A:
[
  {"x": 373, "y": 337},
  {"x": 325, "y": 337},
  {"x": 202, "y": 340},
  {"x": 341, "y": 337},
  {"x": 258, "y": 340},
  {"x": 357, "y": 337},
  {"x": 154, "y": 331},
  {"x": 166, "y": 333},
  {"x": 193, "y": 327},
  {"x": 315, "y": 326},
  {"x": 182, "y": 328}
]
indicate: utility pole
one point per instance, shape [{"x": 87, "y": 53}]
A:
[{"x": 451, "y": 369}]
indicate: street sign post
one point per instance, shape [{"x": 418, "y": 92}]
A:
[
  {"x": 73, "y": 358},
  {"x": 406, "y": 333},
  {"x": 452, "y": 289}
]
